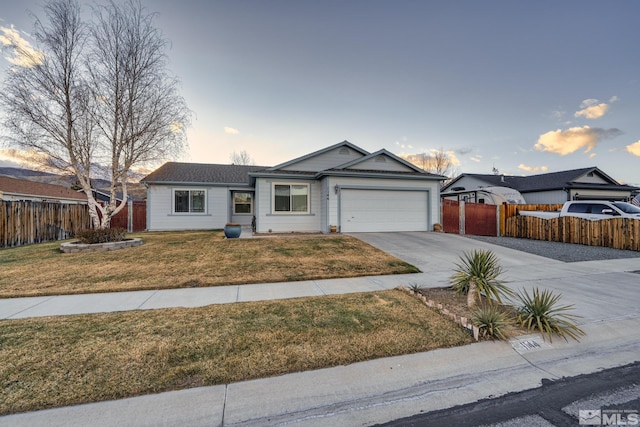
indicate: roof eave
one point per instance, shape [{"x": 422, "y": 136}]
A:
[
  {"x": 370, "y": 174},
  {"x": 199, "y": 184}
]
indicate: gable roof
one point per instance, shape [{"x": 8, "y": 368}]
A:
[
  {"x": 546, "y": 181},
  {"x": 344, "y": 143},
  {"x": 216, "y": 174},
  {"x": 382, "y": 152},
  {"x": 200, "y": 173},
  {"x": 26, "y": 188},
  {"x": 348, "y": 168}
]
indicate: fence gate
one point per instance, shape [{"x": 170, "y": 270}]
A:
[
  {"x": 450, "y": 216},
  {"x": 469, "y": 218},
  {"x": 480, "y": 219}
]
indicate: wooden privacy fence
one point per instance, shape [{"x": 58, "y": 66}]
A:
[
  {"x": 132, "y": 218},
  {"x": 617, "y": 233},
  {"x": 450, "y": 216},
  {"x": 27, "y": 222}
]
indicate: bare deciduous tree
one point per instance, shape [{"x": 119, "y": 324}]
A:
[
  {"x": 96, "y": 99},
  {"x": 437, "y": 161},
  {"x": 242, "y": 158}
]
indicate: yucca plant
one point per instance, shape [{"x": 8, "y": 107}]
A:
[
  {"x": 477, "y": 274},
  {"x": 539, "y": 311},
  {"x": 414, "y": 287},
  {"x": 491, "y": 320}
]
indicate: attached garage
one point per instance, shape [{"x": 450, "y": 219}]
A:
[{"x": 380, "y": 210}]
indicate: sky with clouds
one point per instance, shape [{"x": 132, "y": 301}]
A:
[{"x": 525, "y": 87}]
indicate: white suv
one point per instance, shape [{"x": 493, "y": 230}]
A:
[{"x": 595, "y": 210}]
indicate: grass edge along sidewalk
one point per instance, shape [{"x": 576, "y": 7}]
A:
[
  {"x": 60, "y": 361},
  {"x": 169, "y": 260}
]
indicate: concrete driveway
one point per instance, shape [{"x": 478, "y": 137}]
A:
[{"x": 600, "y": 290}]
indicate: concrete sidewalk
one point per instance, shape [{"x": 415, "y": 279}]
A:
[
  {"x": 16, "y": 308},
  {"x": 604, "y": 292}
]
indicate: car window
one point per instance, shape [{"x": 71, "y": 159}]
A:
[
  {"x": 579, "y": 208},
  {"x": 627, "y": 208}
]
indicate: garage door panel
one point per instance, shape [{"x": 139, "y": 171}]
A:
[{"x": 383, "y": 210}]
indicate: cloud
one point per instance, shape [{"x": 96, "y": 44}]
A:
[
  {"x": 231, "y": 131},
  {"x": 24, "y": 158},
  {"x": 558, "y": 114},
  {"x": 591, "y": 109},
  {"x": 565, "y": 142},
  {"x": 613, "y": 99},
  {"x": 476, "y": 159},
  {"x": 23, "y": 54},
  {"x": 589, "y": 103},
  {"x": 533, "y": 169},
  {"x": 634, "y": 148}
]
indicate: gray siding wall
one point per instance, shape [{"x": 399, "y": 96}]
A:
[
  {"x": 382, "y": 163},
  {"x": 545, "y": 197},
  {"x": 267, "y": 221},
  {"x": 594, "y": 179},
  {"x": 326, "y": 160},
  {"x": 161, "y": 215},
  {"x": 324, "y": 203}
]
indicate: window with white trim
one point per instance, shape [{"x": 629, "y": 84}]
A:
[
  {"x": 189, "y": 201},
  {"x": 242, "y": 203},
  {"x": 291, "y": 198}
]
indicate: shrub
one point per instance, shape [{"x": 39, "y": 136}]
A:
[
  {"x": 491, "y": 320},
  {"x": 101, "y": 235},
  {"x": 477, "y": 274},
  {"x": 414, "y": 287},
  {"x": 539, "y": 312}
]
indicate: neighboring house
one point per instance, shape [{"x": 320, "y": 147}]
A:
[
  {"x": 341, "y": 186},
  {"x": 104, "y": 195},
  {"x": 12, "y": 189},
  {"x": 551, "y": 188}
]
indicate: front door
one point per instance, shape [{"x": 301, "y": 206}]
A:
[{"x": 242, "y": 207}]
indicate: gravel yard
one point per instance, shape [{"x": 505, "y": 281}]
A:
[{"x": 566, "y": 252}]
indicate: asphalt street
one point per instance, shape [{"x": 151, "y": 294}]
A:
[{"x": 608, "y": 397}]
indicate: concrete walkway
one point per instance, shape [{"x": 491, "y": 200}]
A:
[{"x": 604, "y": 292}]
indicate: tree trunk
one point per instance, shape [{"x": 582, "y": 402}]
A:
[{"x": 472, "y": 294}]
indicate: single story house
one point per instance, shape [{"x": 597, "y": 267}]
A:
[
  {"x": 341, "y": 187},
  {"x": 13, "y": 189},
  {"x": 551, "y": 188}
]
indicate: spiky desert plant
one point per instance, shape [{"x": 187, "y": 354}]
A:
[
  {"x": 414, "y": 287},
  {"x": 477, "y": 274},
  {"x": 539, "y": 311},
  {"x": 491, "y": 320}
]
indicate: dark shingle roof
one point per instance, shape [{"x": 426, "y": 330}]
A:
[
  {"x": 548, "y": 181},
  {"x": 174, "y": 172}
]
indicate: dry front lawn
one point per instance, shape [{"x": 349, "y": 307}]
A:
[
  {"x": 189, "y": 259},
  {"x": 57, "y": 361}
]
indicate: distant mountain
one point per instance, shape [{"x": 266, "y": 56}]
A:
[
  {"x": 137, "y": 190},
  {"x": 20, "y": 172}
]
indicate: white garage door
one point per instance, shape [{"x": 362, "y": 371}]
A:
[{"x": 383, "y": 210}]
